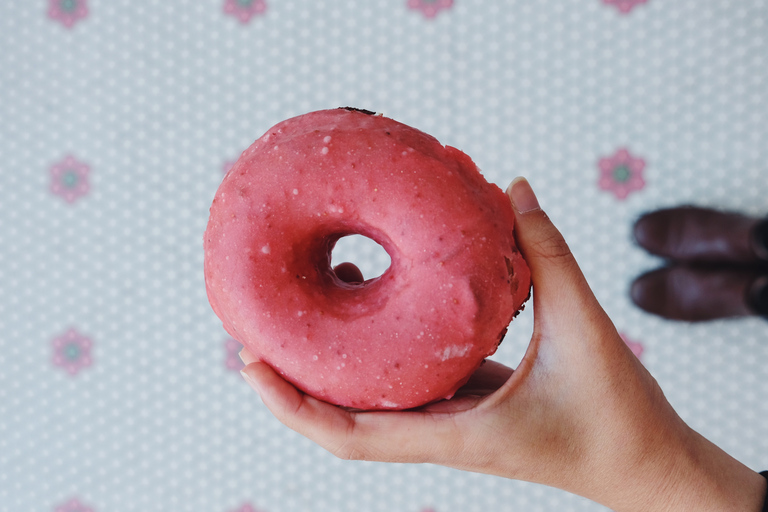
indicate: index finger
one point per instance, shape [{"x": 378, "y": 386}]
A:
[{"x": 385, "y": 436}]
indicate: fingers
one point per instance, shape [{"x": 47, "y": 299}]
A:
[
  {"x": 322, "y": 422},
  {"x": 349, "y": 273},
  {"x": 486, "y": 379},
  {"x": 557, "y": 280},
  {"x": 382, "y": 436},
  {"x": 247, "y": 357}
]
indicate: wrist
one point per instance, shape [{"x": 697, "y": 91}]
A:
[
  {"x": 688, "y": 474},
  {"x": 710, "y": 479}
]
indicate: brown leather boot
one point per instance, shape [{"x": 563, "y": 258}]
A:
[
  {"x": 693, "y": 234},
  {"x": 696, "y": 294}
]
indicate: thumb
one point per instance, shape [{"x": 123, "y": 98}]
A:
[{"x": 558, "y": 282}]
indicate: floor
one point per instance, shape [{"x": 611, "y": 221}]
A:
[{"x": 119, "y": 389}]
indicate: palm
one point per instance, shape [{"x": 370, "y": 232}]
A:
[{"x": 486, "y": 380}]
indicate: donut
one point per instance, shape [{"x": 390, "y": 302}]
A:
[{"x": 409, "y": 337}]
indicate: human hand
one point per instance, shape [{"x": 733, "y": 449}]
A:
[{"x": 579, "y": 413}]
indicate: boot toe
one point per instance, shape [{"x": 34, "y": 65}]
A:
[
  {"x": 651, "y": 232},
  {"x": 649, "y": 292}
]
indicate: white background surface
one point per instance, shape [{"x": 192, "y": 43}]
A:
[{"x": 156, "y": 96}]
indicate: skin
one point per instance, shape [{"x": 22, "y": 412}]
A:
[{"x": 580, "y": 412}]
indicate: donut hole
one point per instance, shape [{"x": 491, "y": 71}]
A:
[{"x": 363, "y": 252}]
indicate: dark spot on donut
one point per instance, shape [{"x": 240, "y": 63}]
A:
[
  {"x": 514, "y": 283},
  {"x": 397, "y": 365},
  {"x": 364, "y": 111},
  {"x": 388, "y": 133}
]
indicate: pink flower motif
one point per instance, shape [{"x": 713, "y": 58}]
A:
[
  {"x": 635, "y": 346},
  {"x": 233, "y": 348},
  {"x": 430, "y": 8},
  {"x": 69, "y": 179},
  {"x": 621, "y": 173},
  {"x": 72, "y": 505},
  {"x": 244, "y": 10},
  {"x": 72, "y": 351},
  {"x": 246, "y": 507},
  {"x": 624, "y": 6},
  {"x": 68, "y": 12}
]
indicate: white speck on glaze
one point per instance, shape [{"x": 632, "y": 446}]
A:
[
  {"x": 454, "y": 351},
  {"x": 295, "y": 191},
  {"x": 315, "y": 357},
  {"x": 266, "y": 249},
  {"x": 324, "y": 151},
  {"x": 327, "y": 139}
]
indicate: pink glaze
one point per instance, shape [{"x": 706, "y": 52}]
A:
[{"x": 409, "y": 337}]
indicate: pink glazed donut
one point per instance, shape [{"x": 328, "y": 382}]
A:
[{"x": 411, "y": 336}]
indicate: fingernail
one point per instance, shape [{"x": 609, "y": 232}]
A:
[
  {"x": 247, "y": 357},
  {"x": 523, "y": 198},
  {"x": 251, "y": 381}
]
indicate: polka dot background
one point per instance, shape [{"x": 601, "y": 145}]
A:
[{"x": 118, "y": 387}]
